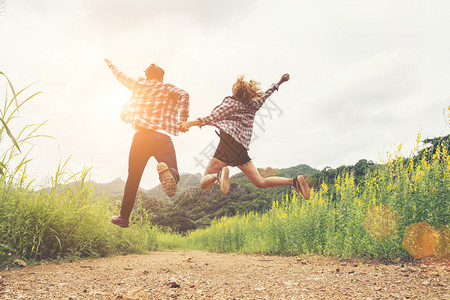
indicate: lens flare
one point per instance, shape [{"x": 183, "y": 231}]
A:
[
  {"x": 381, "y": 222},
  {"x": 420, "y": 240}
]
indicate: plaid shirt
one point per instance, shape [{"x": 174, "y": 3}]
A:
[
  {"x": 153, "y": 104},
  {"x": 236, "y": 117}
]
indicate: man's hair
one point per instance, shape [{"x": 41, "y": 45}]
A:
[
  {"x": 154, "y": 72},
  {"x": 247, "y": 90}
]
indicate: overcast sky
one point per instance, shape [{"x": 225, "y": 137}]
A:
[{"x": 366, "y": 76}]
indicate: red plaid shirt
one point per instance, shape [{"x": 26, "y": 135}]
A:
[
  {"x": 236, "y": 117},
  {"x": 153, "y": 104}
]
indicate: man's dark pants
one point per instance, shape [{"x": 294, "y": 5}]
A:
[{"x": 146, "y": 143}]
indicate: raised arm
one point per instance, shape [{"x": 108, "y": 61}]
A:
[
  {"x": 108, "y": 62},
  {"x": 283, "y": 78},
  {"x": 271, "y": 90},
  {"x": 126, "y": 80}
]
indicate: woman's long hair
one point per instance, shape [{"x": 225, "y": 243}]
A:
[{"x": 247, "y": 90}]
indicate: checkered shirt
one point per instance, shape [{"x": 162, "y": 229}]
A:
[
  {"x": 236, "y": 117},
  {"x": 153, "y": 104}
]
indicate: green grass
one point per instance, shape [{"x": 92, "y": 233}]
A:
[
  {"x": 365, "y": 220},
  {"x": 172, "y": 241},
  {"x": 62, "y": 220}
]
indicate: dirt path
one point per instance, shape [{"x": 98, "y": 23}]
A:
[{"x": 204, "y": 275}]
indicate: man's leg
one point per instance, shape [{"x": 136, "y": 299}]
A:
[
  {"x": 167, "y": 165},
  {"x": 138, "y": 158}
]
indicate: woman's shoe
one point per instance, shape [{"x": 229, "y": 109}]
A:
[
  {"x": 300, "y": 185},
  {"x": 223, "y": 178}
]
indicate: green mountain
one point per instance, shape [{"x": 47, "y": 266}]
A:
[{"x": 113, "y": 189}]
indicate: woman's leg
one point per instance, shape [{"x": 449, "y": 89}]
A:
[
  {"x": 253, "y": 175},
  {"x": 210, "y": 176}
]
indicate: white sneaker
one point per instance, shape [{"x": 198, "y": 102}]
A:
[
  {"x": 223, "y": 178},
  {"x": 301, "y": 186}
]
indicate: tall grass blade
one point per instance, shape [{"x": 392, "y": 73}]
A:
[{"x": 11, "y": 86}]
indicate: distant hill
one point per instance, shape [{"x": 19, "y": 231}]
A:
[
  {"x": 116, "y": 187},
  {"x": 112, "y": 189}
]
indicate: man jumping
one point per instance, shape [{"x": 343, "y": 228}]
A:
[{"x": 153, "y": 110}]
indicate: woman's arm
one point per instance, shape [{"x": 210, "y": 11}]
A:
[{"x": 259, "y": 102}]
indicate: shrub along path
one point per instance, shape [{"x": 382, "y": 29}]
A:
[{"x": 205, "y": 275}]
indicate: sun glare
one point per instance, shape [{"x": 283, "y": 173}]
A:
[{"x": 115, "y": 100}]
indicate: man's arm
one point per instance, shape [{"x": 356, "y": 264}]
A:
[
  {"x": 126, "y": 80},
  {"x": 108, "y": 62},
  {"x": 183, "y": 98}
]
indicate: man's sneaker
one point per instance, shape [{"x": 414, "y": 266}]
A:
[
  {"x": 301, "y": 186},
  {"x": 168, "y": 182},
  {"x": 119, "y": 221},
  {"x": 222, "y": 177}
]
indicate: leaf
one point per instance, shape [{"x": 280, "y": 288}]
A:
[
  {"x": 10, "y": 85},
  {"x": 10, "y": 134}
]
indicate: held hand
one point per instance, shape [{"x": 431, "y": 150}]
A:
[
  {"x": 108, "y": 62},
  {"x": 183, "y": 126}
]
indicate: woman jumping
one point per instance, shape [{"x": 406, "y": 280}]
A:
[{"x": 234, "y": 117}]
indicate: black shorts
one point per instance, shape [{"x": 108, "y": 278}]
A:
[{"x": 231, "y": 152}]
